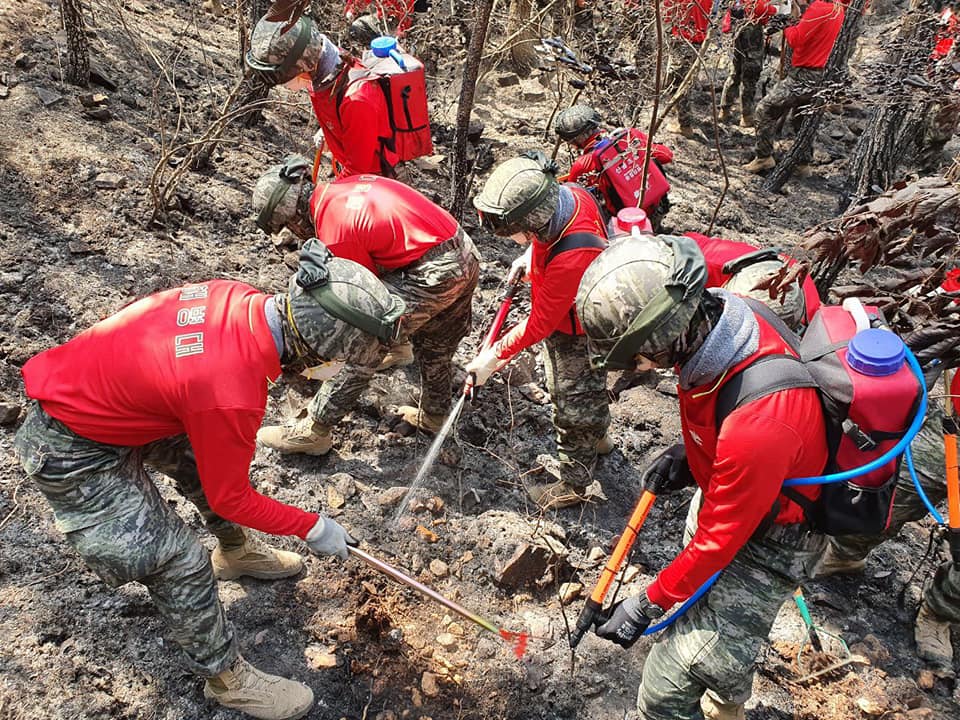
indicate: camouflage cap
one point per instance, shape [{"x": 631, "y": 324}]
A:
[
  {"x": 792, "y": 310},
  {"x": 276, "y": 193},
  {"x": 638, "y": 296},
  {"x": 577, "y": 124},
  {"x": 340, "y": 309},
  {"x": 280, "y": 57},
  {"x": 518, "y": 196}
]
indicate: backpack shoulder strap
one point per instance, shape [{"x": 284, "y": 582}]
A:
[
  {"x": 574, "y": 241},
  {"x": 764, "y": 311},
  {"x": 764, "y": 376}
]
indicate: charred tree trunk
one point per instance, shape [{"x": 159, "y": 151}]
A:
[
  {"x": 833, "y": 83},
  {"x": 523, "y": 57},
  {"x": 896, "y": 121},
  {"x": 461, "y": 172},
  {"x": 78, "y": 51}
]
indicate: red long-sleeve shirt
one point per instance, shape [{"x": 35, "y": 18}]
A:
[
  {"x": 553, "y": 286},
  {"x": 718, "y": 252},
  {"x": 741, "y": 469},
  {"x": 192, "y": 360},
  {"x": 813, "y": 37},
  {"x": 757, "y": 12},
  {"x": 380, "y": 223},
  {"x": 688, "y": 19},
  {"x": 353, "y": 130}
]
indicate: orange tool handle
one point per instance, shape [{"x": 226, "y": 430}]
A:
[
  {"x": 627, "y": 539},
  {"x": 953, "y": 476}
]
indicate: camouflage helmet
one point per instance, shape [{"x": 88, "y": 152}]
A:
[
  {"x": 276, "y": 194},
  {"x": 280, "y": 56},
  {"x": 638, "y": 296},
  {"x": 577, "y": 124},
  {"x": 520, "y": 195},
  {"x": 792, "y": 308},
  {"x": 339, "y": 310}
]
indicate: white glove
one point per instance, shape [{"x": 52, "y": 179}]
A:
[
  {"x": 484, "y": 365},
  {"x": 328, "y": 537},
  {"x": 318, "y": 138},
  {"x": 520, "y": 268}
]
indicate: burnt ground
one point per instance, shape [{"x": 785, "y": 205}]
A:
[{"x": 74, "y": 205}]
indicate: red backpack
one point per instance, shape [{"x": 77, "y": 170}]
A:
[
  {"x": 402, "y": 79},
  {"x": 621, "y": 168},
  {"x": 870, "y": 398}
]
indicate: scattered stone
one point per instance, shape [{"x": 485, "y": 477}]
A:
[
  {"x": 369, "y": 587},
  {"x": 334, "y": 499},
  {"x": 4, "y": 92},
  {"x": 92, "y": 100},
  {"x": 24, "y": 61},
  {"x": 9, "y": 412},
  {"x": 429, "y": 685},
  {"x": 98, "y": 76},
  {"x": 455, "y": 628},
  {"x": 921, "y": 713},
  {"x": 431, "y": 163},
  {"x": 873, "y": 705},
  {"x": 507, "y": 79},
  {"x": 630, "y": 574},
  {"x": 319, "y": 657},
  {"x": 101, "y": 113},
  {"x": 871, "y": 648},
  {"x": 667, "y": 387},
  {"x": 416, "y": 698},
  {"x": 532, "y": 91},
  {"x": 926, "y": 679},
  {"x": 881, "y": 574},
  {"x": 109, "y": 181},
  {"x": 527, "y": 565},
  {"x": 447, "y": 641},
  {"x": 439, "y": 569},
  {"x": 596, "y": 554},
  {"x": 569, "y": 592},
  {"x": 426, "y": 534},
  {"x": 260, "y": 637},
  {"x": 78, "y": 247},
  {"x": 48, "y": 97},
  {"x": 391, "y": 496}
]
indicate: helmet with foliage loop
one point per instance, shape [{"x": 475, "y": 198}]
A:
[
  {"x": 521, "y": 195},
  {"x": 279, "y": 56},
  {"x": 276, "y": 194},
  {"x": 577, "y": 124},
  {"x": 791, "y": 309},
  {"x": 338, "y": 310},
  {"x": 638, "y": 296}
]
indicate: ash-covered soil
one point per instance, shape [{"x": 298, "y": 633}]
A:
[{"x": 75, "y": 200}]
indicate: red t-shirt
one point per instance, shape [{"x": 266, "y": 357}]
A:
[
  {"x": 553, "y": 286},
  {"x": 688, "y": 19},
  {"x": 378, "y": 222},
  {"x": 192, "y": 360},
  {"x": 352, "y": 132},
  {"x": 757, "y": 12},
  {"x": 718, "y": 252},
  {"x": 813, "y": 37},
  {"x": 741, "y": 469}
]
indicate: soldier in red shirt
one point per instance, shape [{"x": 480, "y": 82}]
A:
[
  {"x": 178, "y": 381},
  {"x": 564, "y": 231},
  {"x": 352, "y": 111},
  {"x": 688, "y": 21},
  {"x": 748, "y": 18},
  {"x": 607, "y": 159},
  {"x": 416, "y": 247},
  {"x": 643, "y": 304},
  {"x": 811, "y": 39}
]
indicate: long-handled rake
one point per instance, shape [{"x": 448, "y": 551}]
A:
[{"x": 817, "y": 664}]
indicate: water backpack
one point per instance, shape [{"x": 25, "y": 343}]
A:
[
  {"x": 403, "y": 81},
  {"x": 870, "y": 398},
  {"x": 621, "y": 169}
]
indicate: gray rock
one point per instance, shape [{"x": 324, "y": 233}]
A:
[
  {"x": 9, "y": 412},
  {"x": 109, "y": 181},
  {"x": 48, "y": 97}
]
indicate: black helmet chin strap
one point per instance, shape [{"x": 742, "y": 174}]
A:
[{"x": 293, "y": 170}]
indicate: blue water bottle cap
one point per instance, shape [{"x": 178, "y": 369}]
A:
[
  {"x": 875, "y": 352},
  {"x": 382, "y": 45}
]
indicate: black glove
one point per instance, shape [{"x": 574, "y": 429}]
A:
[
  {"x": 669, "y": 472},
  {"x": 546, "y": 164},
  {"x": 777, "y": 23},
  {"x": 625, "y": 622}
]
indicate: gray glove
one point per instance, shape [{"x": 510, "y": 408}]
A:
[{"x": 328, "y": 537}]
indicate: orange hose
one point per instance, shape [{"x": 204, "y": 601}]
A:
[{"x": 620, "y": 552}]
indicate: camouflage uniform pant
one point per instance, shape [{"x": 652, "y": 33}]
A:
[
  {"x": 112, "y": 514},
  {"x": 438, "y": 290},
  {"x": 941, "y": 116},
  {"x": 795, "y": 92},
  {"x": 581, "y": 412},
  {"x": 943, "y": 595},
  {"x": 712, "y": 648},
  {"x": 747, "y": 62},
  {"x": 682, "y": 57}
]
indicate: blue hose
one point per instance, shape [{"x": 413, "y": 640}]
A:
[{"x": 903, "y": 446}]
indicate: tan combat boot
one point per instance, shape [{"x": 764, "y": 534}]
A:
[
  {"x": 605, "y": 445},
  {"x": 716, "y": 709},
  {"x": 268, "y": 697},
  {"x": 254, "y": 559},
  {"x": 419, "y": 419},
  {"x": 399, "y": 356},
  {"x": 306, "y": 436},
  {"x": 933, "y": 641},
  {"x": 832, "y": 564},
  {"x": 760, "y": 164}
]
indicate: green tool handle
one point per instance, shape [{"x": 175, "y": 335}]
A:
[{"x": 807, "y": 620}]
